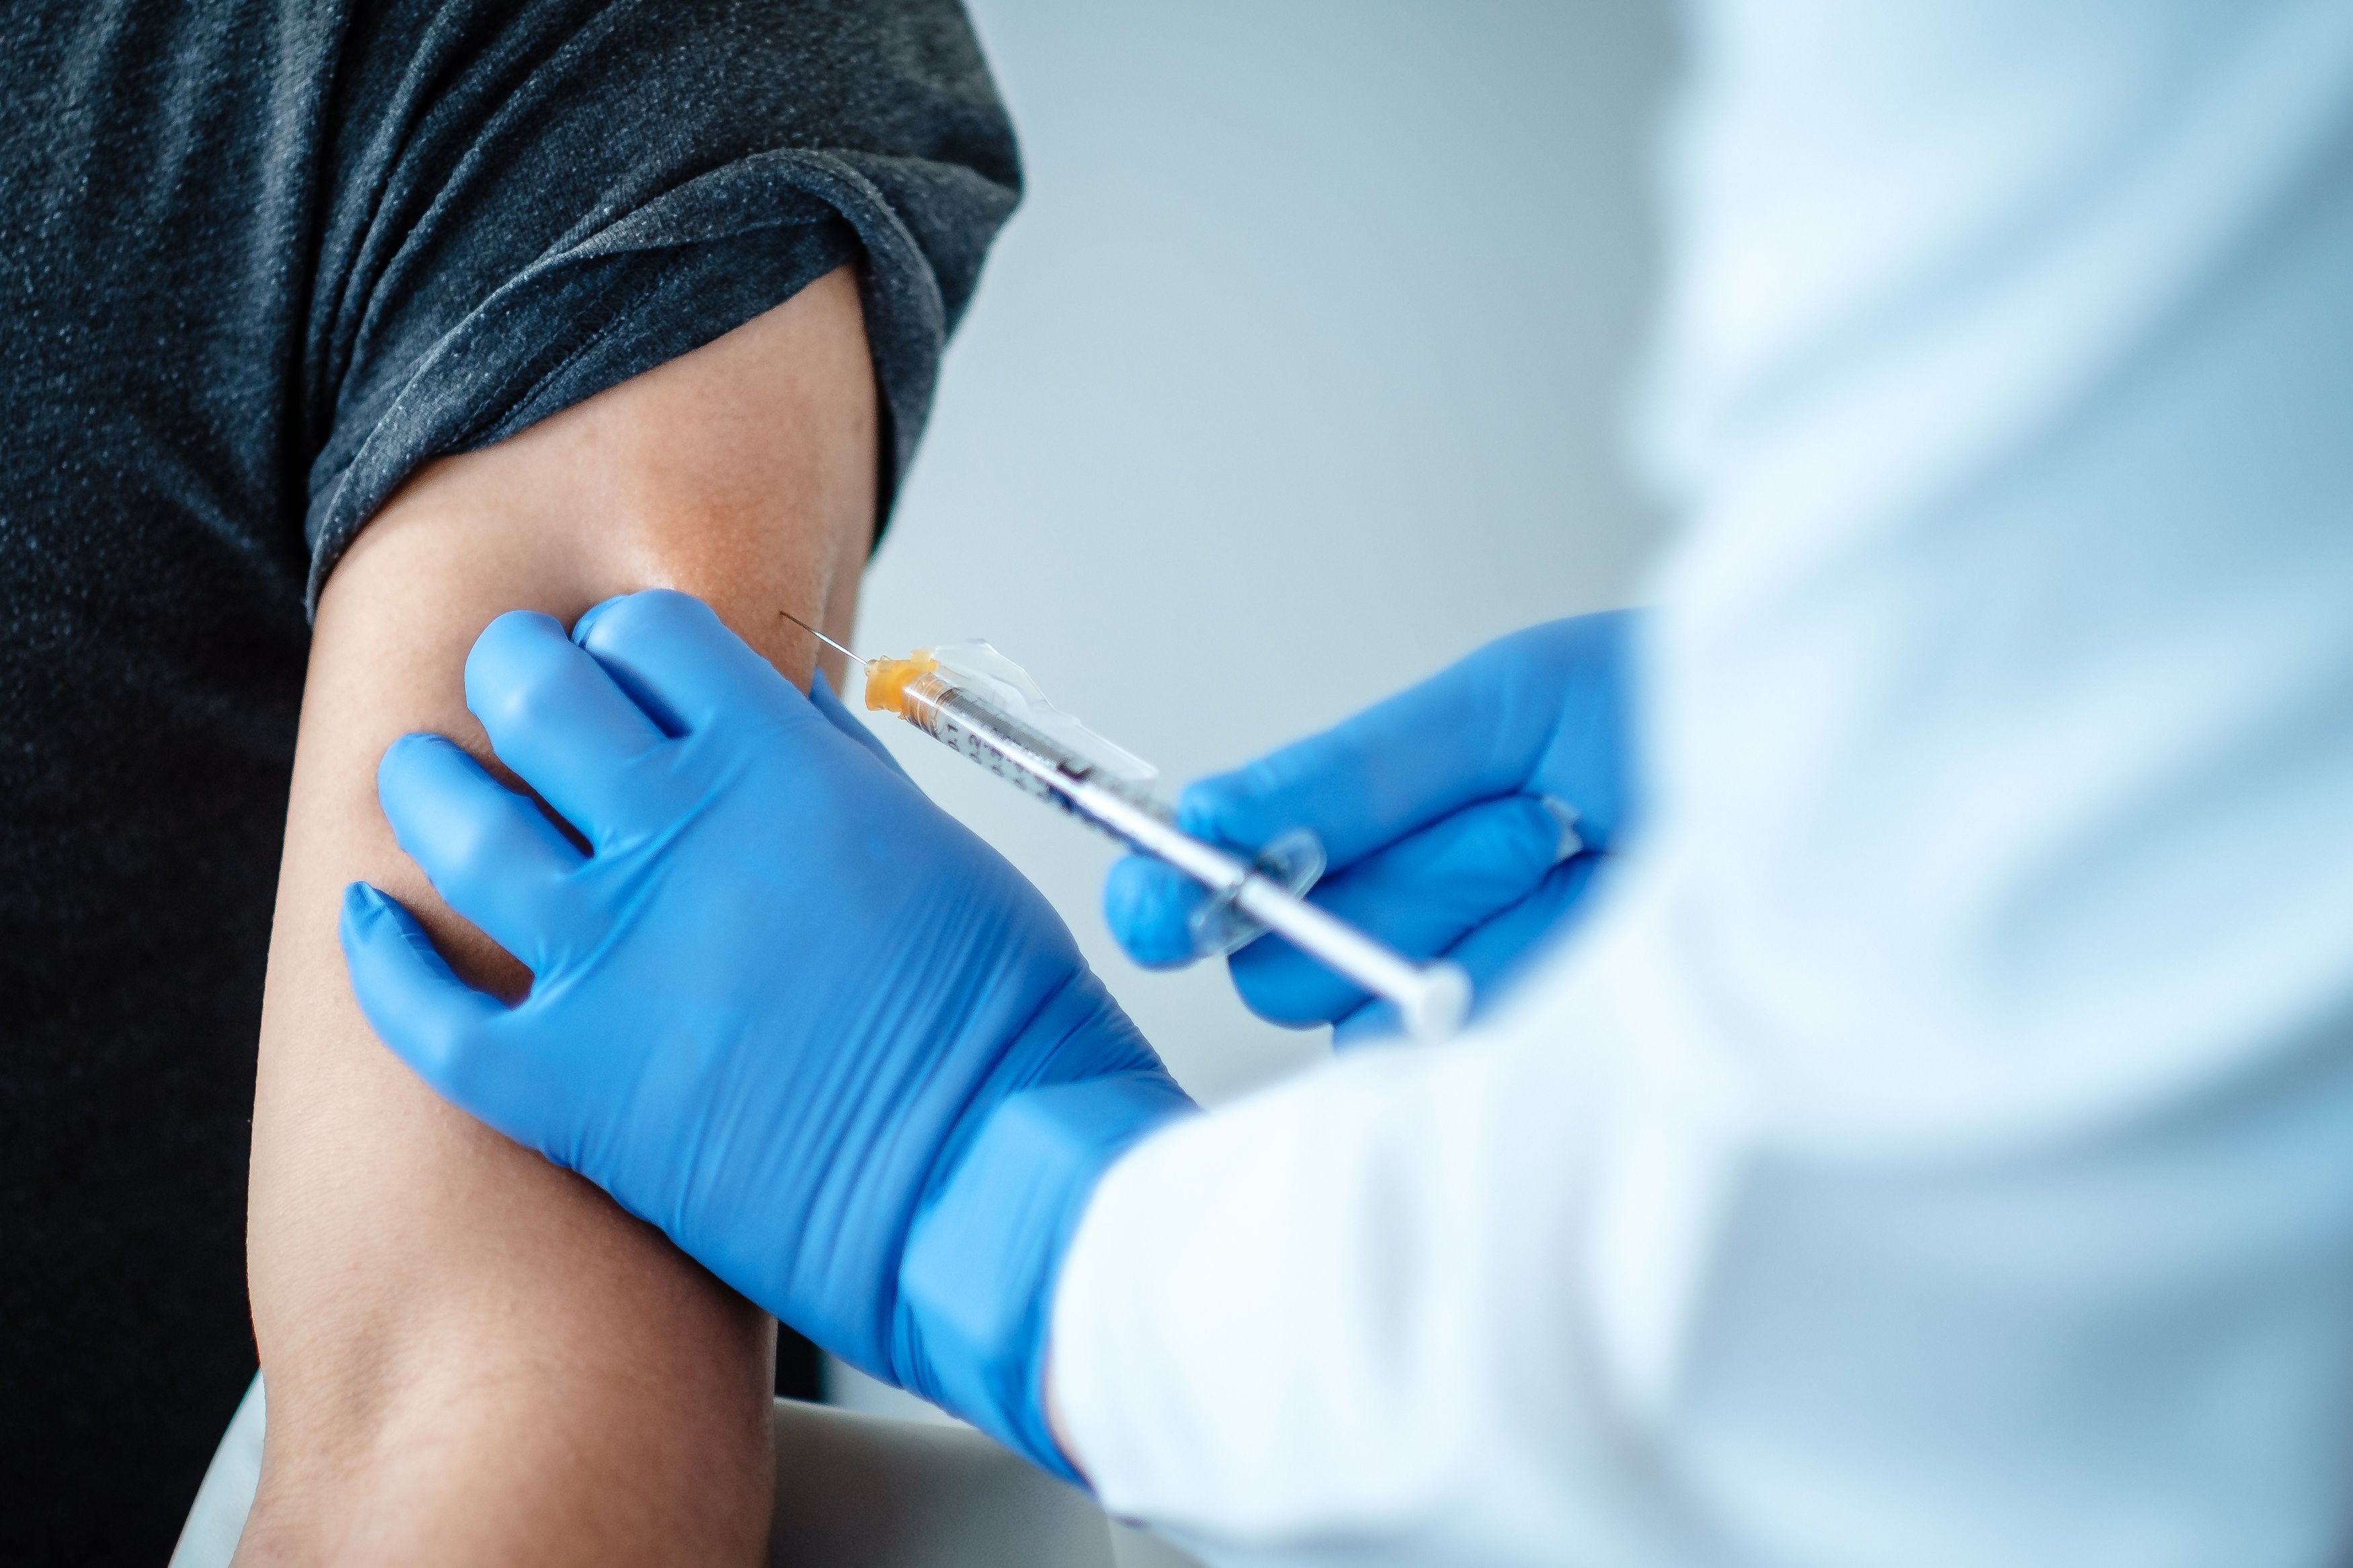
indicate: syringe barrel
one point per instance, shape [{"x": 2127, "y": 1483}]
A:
[
  {"x": 1026, "y": 758},
  {"x": 1432, "y": 998}
]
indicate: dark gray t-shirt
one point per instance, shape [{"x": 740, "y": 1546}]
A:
[{"x": 258, "y": 261}]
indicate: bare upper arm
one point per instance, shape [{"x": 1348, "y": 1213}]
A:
[{"x": 472, "y": 1355}]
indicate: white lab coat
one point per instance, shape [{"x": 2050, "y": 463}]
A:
[{"x": 1939, "y": 1148}]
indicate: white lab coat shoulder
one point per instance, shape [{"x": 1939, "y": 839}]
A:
[{"x": 1939, "y": 1150}]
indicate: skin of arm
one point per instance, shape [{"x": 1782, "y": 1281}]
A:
[{"x": 473, "y": 1356}]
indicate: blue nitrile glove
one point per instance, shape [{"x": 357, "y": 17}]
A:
[
  {"x": 784, "y": 1007},
  {"x": 1463, "y": 818}
]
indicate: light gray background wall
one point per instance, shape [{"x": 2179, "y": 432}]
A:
[{"x": 1298, "y": 374}]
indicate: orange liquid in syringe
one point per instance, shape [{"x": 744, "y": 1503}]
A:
[{"x": 887, "y": 680}]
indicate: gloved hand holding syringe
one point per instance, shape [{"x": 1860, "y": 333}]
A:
[{"x": 984, "y": 706}]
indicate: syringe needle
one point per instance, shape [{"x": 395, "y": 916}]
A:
[{"x": 823, "y": 638}]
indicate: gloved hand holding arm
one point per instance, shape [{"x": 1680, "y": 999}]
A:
[
  {"x": 783, "y": 1007},
  {"x": 1463, "y": 818}
]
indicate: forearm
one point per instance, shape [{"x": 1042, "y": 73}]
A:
[
  {"x": 472, "y": 1355},
  {"x": 1610, "y": 1283},
  {"x": 1276, "y": 1325}
]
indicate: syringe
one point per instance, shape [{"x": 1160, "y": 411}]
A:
[{"x": 975, "y": 700}]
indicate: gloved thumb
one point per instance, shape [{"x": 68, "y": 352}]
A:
[
  {"x": 431, "y": 1019},
  {"x": 1149, "y": 906}
]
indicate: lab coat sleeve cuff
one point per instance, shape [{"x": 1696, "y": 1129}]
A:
[{"x": 983, "y": 1257}]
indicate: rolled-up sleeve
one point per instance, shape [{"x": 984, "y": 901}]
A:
[{"x": 525, "y": 204}]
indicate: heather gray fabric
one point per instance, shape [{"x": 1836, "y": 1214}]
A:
[{"x": 258, "y": 259}]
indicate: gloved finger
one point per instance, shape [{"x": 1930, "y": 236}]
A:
[
  {"x": 673, "y": 654},
  {"x": 431, "y": 1019},
  {"x": 1419, "y": 895},
  {"x": 491, "y": 853},
  {"x": 1546, "y": 701},
  {"x": 822, "y": 698},
  {"x": 1149, "y": 905},
  {"x": 555, "y": 717},
  {"x": 1397, "y": 766},
  {"x": 1495, "y": 952},
  {"x": 1499, "y": 953}
]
